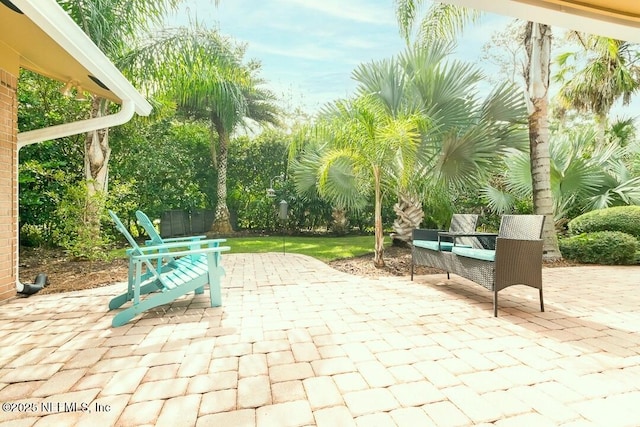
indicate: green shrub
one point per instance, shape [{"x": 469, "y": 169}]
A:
[
  {"x": 74, "y": 231},
  {"x": 600, "y": 247},
  {"x": 621, "y": 218},
  {"x": 31, "y": 236}
]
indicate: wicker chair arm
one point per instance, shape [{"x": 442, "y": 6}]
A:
[
  {"x": 518, "y": 262},
  {"x": 425, "y": 234}
]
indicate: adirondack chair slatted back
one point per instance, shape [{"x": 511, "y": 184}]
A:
[
  {"x": 148, "y": 226},
  {"x": 135, "y": 249},
  {"x": 122, "y": 229},
  {"x": 156, "y": 240}
]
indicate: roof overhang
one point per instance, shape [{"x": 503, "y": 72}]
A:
[
  {"x": 48, "y": 42},
  {"x": 619, "y": 19}
]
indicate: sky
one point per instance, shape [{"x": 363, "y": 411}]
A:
[{"x": 309, "y": 48}]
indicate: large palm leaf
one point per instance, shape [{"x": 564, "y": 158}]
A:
[
  {"x": 441, "y": 21},
  {"x": 585, "y": 175}
]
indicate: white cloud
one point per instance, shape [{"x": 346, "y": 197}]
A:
[
  {"x": 308, "y": 52},
  {"x": 353, "y": 10}
]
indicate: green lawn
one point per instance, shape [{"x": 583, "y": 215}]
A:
[{"x": 322, "y": 248}]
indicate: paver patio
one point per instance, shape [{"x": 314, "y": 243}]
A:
[{"x": 297, "y": 343}]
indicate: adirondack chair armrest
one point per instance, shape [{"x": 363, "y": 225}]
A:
[
  {"x": 179, "y": 239},
  {"x": 183, "y": 253},
  {"x": 183, "y": 244}
]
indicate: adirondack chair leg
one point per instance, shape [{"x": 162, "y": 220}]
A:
[
  {"x": 200, "y": 290},
  {"x": 118, "y": 301},
  {"x": 136, "y": 289},
  {"x": 215, "y": 273},
  {"x": 158, "y": 299},
  {"x": 130, "y": 277}
]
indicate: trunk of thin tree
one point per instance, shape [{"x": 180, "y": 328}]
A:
[
  {"x": 340, "y": 225},
  {"x": 409, "y": 216},
  {"x": 222, "y": 221},
  {"x": 538, "y": 47},
  {"x": 96, "y": 166},
  {"x": 378, "y": 259},
  {"x": 601, "y": 128}
]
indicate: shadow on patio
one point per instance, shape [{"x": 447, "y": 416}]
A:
[{"x": 297, "y": 343}]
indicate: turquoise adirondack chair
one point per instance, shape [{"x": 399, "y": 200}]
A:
[
  {"x": 155, "y": 239},
  {"x": 195, "y": 264},
  {"x": 154, "y": 236}
]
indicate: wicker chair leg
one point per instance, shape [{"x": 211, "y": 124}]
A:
[
  {"x": 412, "y": 265},
  {"x": 495, "y": 303},
  {"x": 541, "y": 301}
]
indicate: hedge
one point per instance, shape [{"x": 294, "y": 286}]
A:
[
  {"x": 600, "y": 247},
  {"x": 621, "y": 218}
]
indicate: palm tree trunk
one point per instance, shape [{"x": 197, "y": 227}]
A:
[
  {"x": 601, "y": 128},
  {"x": 378, "y": 259},
  {"x": 222, "y": 222},
  {"x": 96, "y": 165},
  {"x": 340, "y": 224},
  {"x": 409, "y": 216},
  {"x": 538, "y": 47}
]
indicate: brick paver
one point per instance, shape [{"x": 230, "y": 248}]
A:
[{"x": 296, "y": 343}]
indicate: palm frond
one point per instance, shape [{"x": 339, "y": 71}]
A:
[
  {"x": 499, "y": 202},
  {"x": 342, "y": 179},
  {"x": 406, "y": 11},
  {"x": 444, "y": 21},
  {"x": 518, "y": 175}
]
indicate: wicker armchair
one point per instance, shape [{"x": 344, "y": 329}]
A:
[
  {"x": 516, "y": 260},
  {"x": 426, "y": 250}
]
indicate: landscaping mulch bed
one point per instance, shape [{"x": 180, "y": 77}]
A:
[{"x": 66, "y": 274}]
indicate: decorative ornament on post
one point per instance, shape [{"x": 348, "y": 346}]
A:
[
  {"x": 283, "y": 206},
  {"x": 271, "y": 193},
  {"x": 283, "y": 214}
]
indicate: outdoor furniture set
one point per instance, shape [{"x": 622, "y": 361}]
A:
[
  {"x": 172, "y": 268},
  {"x": 177, "y": 266},
  {"x": 514, "y": 259}
]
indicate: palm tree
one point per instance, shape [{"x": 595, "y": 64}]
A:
[
  {"x": 585, "y": 175},
  {"x": 608, "y": 75},
  {"x": 203, "y": 72},
  {"x": 111, "y": 25},
  {"x": 347, "y": 155},
  {"x": 537, "y": 45},
  {"x": 462, "y": 136}
]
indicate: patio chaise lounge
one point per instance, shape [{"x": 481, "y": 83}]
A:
[
  {"x": 516, "y": 260},
  {"x": 195, "y": 264}
]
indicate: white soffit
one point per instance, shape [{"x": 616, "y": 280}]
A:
[
  {"x": 50, "y": 43},
  {"x": 612, "y": 18}
]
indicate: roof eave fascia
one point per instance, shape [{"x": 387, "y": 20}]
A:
[
  {"x": 52, "y": 19},
  {"x": 557, "y": 16}
]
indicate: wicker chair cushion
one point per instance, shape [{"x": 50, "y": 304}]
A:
[
  {"x": 433, "y": 245},
  {"x": 481, "y": 254}
]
